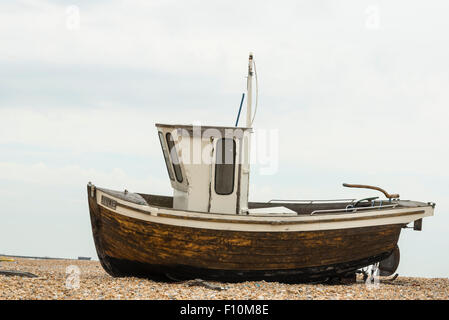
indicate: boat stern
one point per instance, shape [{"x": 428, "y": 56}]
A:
[{"x": 428, "y": 211}]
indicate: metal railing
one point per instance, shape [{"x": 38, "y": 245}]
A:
[
  {"x": 352, "y": 210},
  {"x": 311, "y": 201}
]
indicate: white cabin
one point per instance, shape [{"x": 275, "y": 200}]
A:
[{"x": 208, "y": 167}]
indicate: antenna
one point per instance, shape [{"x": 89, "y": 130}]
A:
[
  {"x": 249, "y": 91},
  {"x": 240, "y": 109}
]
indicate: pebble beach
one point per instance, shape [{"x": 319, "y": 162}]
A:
[{"x": 79, "y": 279}]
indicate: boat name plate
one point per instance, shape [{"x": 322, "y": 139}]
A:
[{"x": 108, "y": 202}]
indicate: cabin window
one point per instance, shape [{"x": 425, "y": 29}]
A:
[
  {"x": 225, "y": 166},
  {"x": 174, "y": 157},
  {"x": 165, "y": 152}
]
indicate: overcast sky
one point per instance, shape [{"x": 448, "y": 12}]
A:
[{"x": 358, "y": 91}]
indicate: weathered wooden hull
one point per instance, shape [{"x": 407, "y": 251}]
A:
[{"x": 129, "y": 246}]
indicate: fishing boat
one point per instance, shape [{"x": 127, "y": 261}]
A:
[{"x": 209, "y": 229}]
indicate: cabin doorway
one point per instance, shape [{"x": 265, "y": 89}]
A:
[{"x": 224, "y": 176}]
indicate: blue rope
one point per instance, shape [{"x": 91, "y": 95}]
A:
[{"x": 240, "y": 109}]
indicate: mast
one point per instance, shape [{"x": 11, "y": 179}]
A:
[
  {"x": 244, "y": 181},
  {"x": 249, "y": 91}
]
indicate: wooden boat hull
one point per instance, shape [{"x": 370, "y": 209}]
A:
[{"x": 129, "y": 246}]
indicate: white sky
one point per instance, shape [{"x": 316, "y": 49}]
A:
[{"x": 357, "y": 89}]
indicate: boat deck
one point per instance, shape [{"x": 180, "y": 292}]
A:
[{"x": 300, "y": 207}]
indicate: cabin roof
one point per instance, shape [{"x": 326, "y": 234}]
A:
[{"x": 190, "y": 127}]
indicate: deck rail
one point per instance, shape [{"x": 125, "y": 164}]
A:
[
  {"x": 352, "y": 209},
  {"x": 311, "y": 201}
]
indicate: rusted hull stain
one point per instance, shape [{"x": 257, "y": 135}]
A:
[{"x": 131, "y": 247}]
